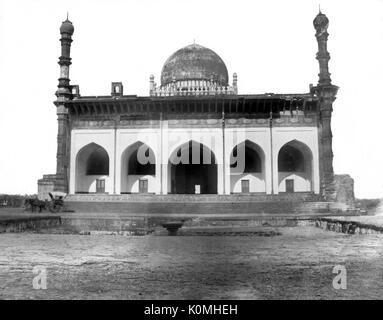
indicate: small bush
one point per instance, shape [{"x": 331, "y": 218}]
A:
[{"x": 13, "y": 200}]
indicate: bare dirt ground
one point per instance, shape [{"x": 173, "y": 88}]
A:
[{"x": 297, "y": 264}]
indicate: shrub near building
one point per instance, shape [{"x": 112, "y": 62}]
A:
[{"x": 12, "y": 200}]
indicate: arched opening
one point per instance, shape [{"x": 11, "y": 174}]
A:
[
  {"x": 295, "y": 167},
  {"x": 193, "y": 170},
  {"x": 92, "y": 169},
  {"x": 247, "y": 172},
  {"x": 138, "y": 169}
]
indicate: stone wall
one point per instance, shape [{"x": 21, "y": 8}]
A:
[
  {"x": 344, "y": 188},
  {"x": 29, "y": 223},
  {"x": 45, "y": 185},
  {"x": 349, "y": 227}
]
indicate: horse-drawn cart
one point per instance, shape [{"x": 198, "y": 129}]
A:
[
  {"x": 55, "y": 205},
  {"x": 57, "y": 201}
]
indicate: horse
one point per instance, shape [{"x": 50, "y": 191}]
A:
[{"x": 35, "y": 203}]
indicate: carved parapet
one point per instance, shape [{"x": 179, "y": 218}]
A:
[
  {"x": 193, "y": 91},
  {"x": 189, "y": 87}
]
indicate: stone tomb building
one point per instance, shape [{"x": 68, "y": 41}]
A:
[{"x": 194, "y": 133}]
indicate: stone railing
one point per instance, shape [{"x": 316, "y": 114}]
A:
[{"x": 193, "y": 91}]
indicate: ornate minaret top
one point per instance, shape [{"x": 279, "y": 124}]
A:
[
  {"x": 321, "y": 25},
  {"x": 66, "y": 31}
]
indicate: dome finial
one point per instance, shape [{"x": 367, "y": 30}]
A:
[{"x": 67, "y": 26}]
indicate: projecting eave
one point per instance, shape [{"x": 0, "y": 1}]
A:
[
  {"x": 244, "y": 103},
  {"x": 130, "y": 98}
]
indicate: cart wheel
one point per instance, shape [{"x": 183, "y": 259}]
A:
[{"x": 55, "y": 208}]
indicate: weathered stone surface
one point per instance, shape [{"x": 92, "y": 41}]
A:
[
  {"x": 46, "y": 185},
  {"x": 344, "y": 188},
  {"x": 349, "y": 227}
]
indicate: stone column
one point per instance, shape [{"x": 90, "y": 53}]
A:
[
  {"x": 227, "y": 171},
  {"x": 62, "y": 156},
  {"x": 268, "y": 164},
  {"x": 275, "y": 173},
  {"x": 164, "y": 145},
  {"x": 327, "y": 95}
]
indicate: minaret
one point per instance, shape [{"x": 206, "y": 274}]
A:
[
  {"x": 327, "y": 94},
  {"x": 66, "y": 31},
  {"x": 63, "y": 94}
]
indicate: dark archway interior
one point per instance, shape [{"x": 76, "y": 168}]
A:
[
  {"x": 184, "y": 177},
  {"x": 137, "y": 168},
  {"x": 290, "y": 159},
  {"x": 253, "y": 161},
  {"x": 98, "y": 163}
]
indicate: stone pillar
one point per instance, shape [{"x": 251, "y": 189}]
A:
[
  {"x": 115, "y": 162},
  {"x": 327, "y": 94},
  {"x": 221, "y": 161},
  {"x": 164, "y": 145},
  {"x": 165, "y": 178},
  {"x": 220, "y": 178},
  {"x": 268, "y": 164},
  {"x": 62, "y": 156},
  {"x": 227, "y": 171},
  {"x": 275, "y": 173}
]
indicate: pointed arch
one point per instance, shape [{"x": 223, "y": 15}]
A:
[
  {"x": 295, "y": 167},
  {"x": 192, "y": 168},
  {"x": 92, "y": 169},
  {"x": 138, "y": 168},
  {"x": 247, "y": 168}
]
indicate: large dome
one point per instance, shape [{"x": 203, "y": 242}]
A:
[{"x": 194, "y": 62}]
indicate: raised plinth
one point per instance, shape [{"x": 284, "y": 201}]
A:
[
  {"x": 197, "y": 204},
  {"x": 194, "y": 198}
]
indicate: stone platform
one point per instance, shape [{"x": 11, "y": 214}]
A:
[
  {"x": 200, "y": 204},
  {"x": 142, "y": 214},
  {"x": 145, "y": 223}
]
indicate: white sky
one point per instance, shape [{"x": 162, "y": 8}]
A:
[{"x": 270, "y": 44}]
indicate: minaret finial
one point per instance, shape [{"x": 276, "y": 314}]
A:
[
  {"x": 67, "y": 16},
  {"x": 321, "y": 24},
  {"x": 319, "y": 9}
]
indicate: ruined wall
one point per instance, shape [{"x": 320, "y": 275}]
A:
[
  {"x": 45, "y": 185},
  {"x": 344, "y": 188}
]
